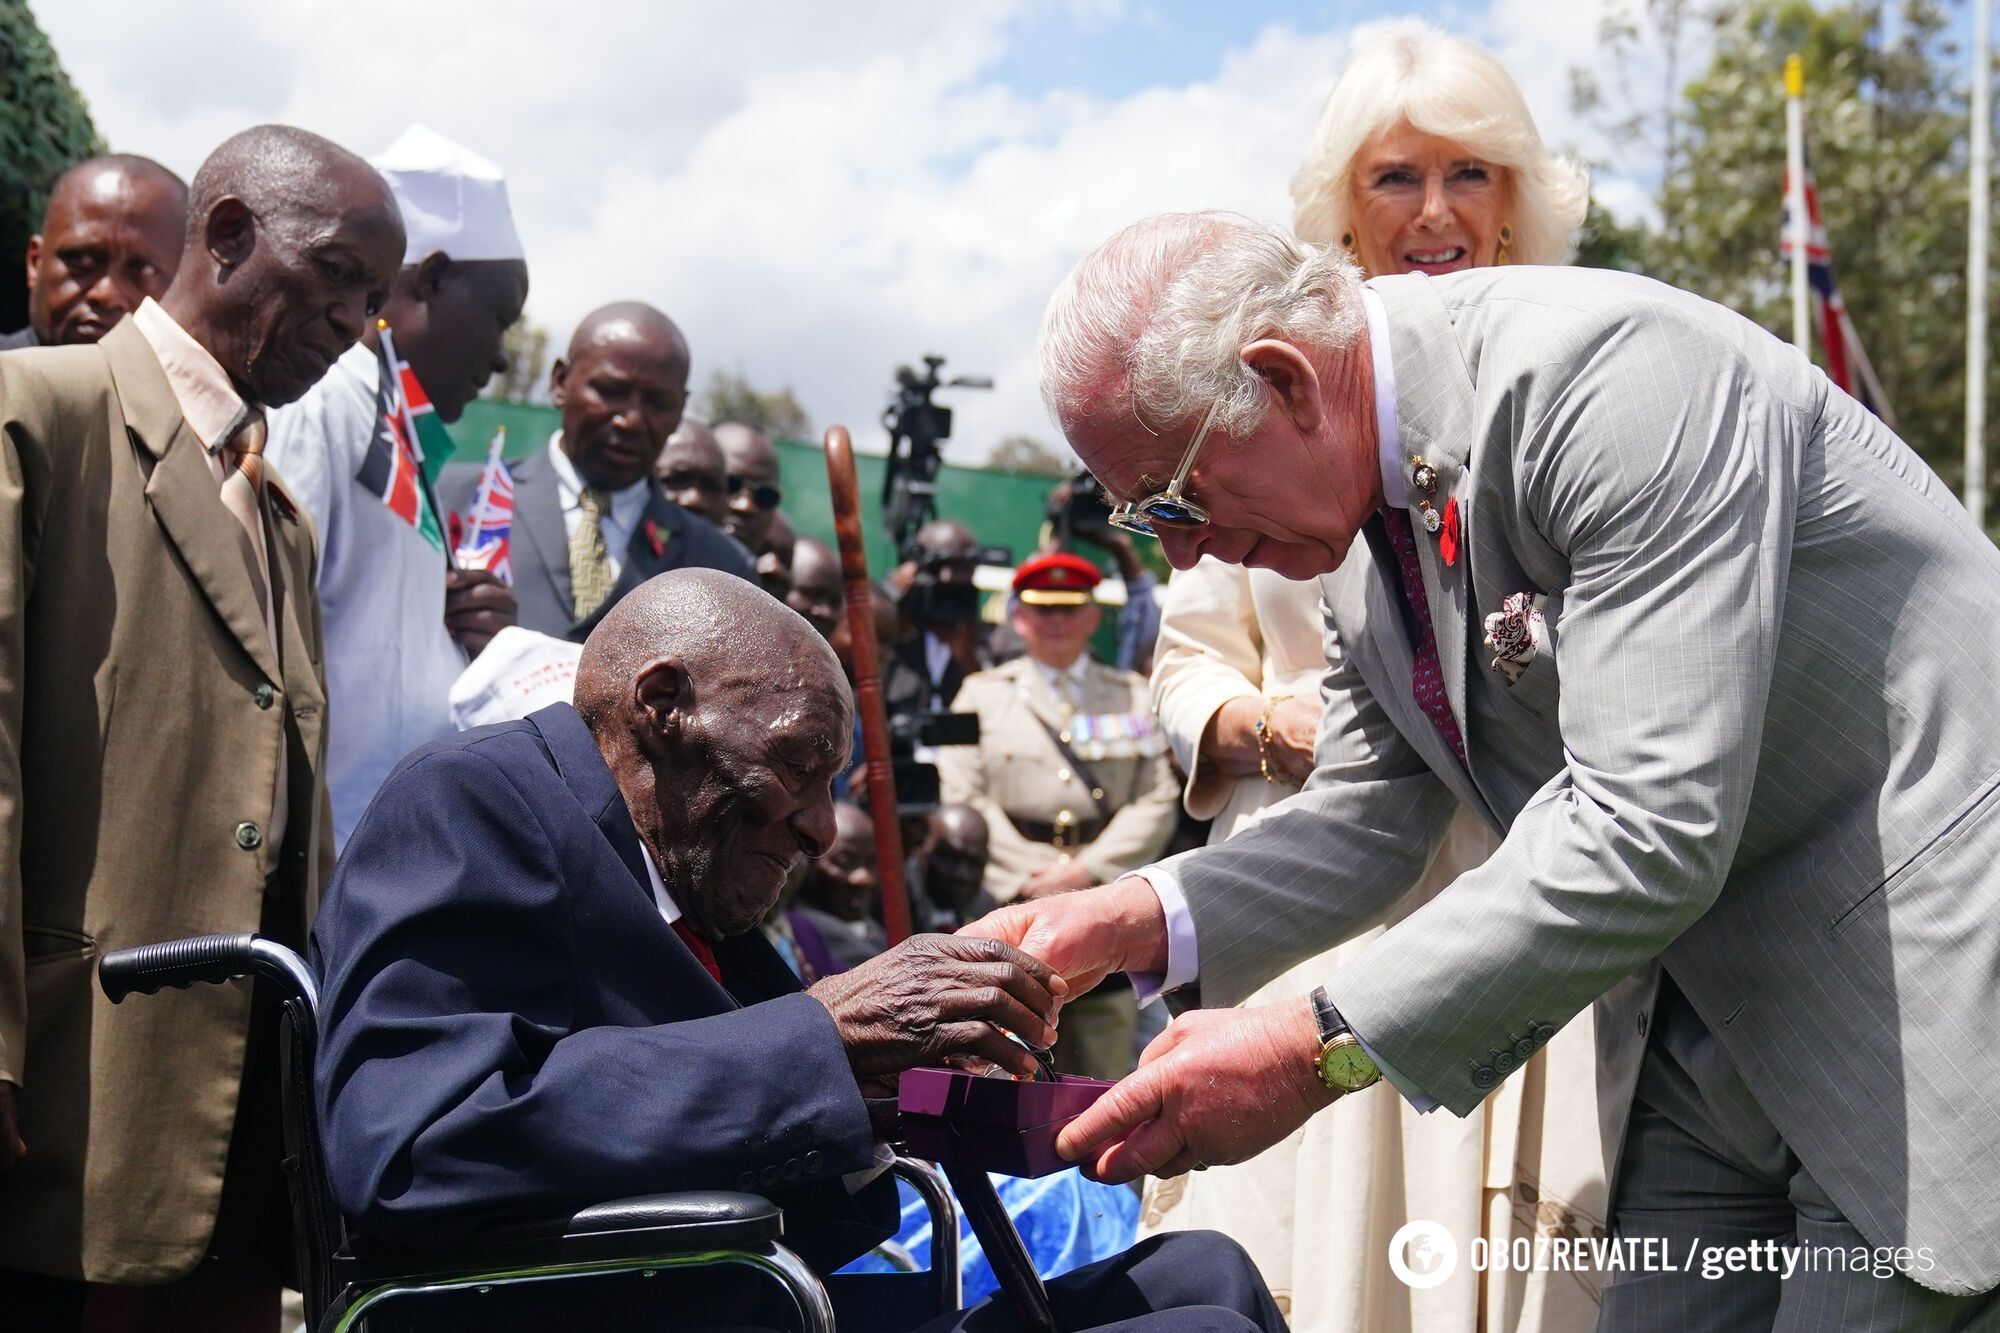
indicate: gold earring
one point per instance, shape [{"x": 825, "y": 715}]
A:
[
  {"x": 1506, "y": 245},
  {"x": 1347, "y": 244}
]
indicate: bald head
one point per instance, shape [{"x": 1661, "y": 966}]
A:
[
  {"x": 733, "y": 638},
  {"x": 622, "y": 388},
  {"x": 693, "y": 473},
  {"x": 111, "y": 237},
  {"x": 723, "y": 718},
  {"x": 292, "y": 243}
]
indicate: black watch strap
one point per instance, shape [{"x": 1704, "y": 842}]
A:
[{"x": 1331, "y": 1024}]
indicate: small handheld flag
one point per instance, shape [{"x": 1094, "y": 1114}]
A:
[
  {"x": 484, "y": 543},
  {"x": 393, "y": 466}
]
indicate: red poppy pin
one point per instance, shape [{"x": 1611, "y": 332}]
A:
[
  {"x": 1448, "y": 539},
  {"x": 656, "y": 538}
]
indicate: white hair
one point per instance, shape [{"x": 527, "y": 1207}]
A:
[
  {"x": 1156, "y": 318},
  {"x": 1452, "y": 88}
]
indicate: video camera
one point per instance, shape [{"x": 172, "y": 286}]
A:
[
  {"x": 917, "y": 425},
  {"x": 917, "y": 782},
  {"x": 1084, "y": 512}
]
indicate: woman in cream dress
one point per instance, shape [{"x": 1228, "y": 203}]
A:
[{"x": 1426, "y": 160}]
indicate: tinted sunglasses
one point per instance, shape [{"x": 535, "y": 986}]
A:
[
  {"x": 766, "y": 496},
  {"x": 1169, "y": 508}
]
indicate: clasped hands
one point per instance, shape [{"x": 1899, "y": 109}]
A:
[{"x": 1217, "y": 1087}]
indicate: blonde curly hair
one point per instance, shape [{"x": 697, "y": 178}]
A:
[{"x": 1411, "y": 71}]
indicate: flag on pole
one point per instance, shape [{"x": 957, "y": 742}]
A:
[
  {"x": 483, "y": 543},
  {"x": 1847, "y": 365},
  {"x": 392, "y": 466}
]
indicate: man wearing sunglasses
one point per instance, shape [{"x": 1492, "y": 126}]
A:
[
  {"x": 591, "y": 520},
  {"x": 1756, "y": 816}
]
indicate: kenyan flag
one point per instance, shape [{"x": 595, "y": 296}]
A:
[{"x": 396, "y": 467}]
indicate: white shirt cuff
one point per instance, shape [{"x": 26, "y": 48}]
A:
[{"x": 1183, "y": 960}]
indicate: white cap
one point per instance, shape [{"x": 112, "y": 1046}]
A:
[{"x": 452, "y": 199}]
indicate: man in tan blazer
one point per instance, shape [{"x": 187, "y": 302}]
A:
[
  {"x": 161, "y": 729},
  {"x": 1071, "y": 775}
]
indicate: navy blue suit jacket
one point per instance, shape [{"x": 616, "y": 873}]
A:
[{"x": 510, "y": 1030}]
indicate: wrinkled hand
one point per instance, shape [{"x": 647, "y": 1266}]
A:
[
  {"x": 12, "y": 1150},
  {"x": 1294, "y": 734},
  {"x": 1085, "y": 936},
  {"x": 477, "y": 606},
  {"x": 1057, "y": 877},
  {"x": 936, "y": 997},
  {"x": 1217, "y": 1087}
]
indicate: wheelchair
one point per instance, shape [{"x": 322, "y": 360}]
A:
[{"x": 343, "y": 1277}]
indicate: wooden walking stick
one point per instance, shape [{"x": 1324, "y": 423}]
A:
[
  {"x": 868, "y": 702},
  {"x": 1012, "y": 1267}
]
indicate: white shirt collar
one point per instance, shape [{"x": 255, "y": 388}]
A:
[
  {"x": 669, "y": 909},
  {"x": 625, "y": 504},
  {"x": 201, "y": 387},
  {"x": 1395, "y": 481}
]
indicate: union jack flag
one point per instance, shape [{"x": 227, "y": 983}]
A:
[
  {"x": 1847, "y": 365},
  {"x": 483, "y": 541}
]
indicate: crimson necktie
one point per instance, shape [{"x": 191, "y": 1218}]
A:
[
  {"x": 703, "y": 951},
  {"x": 1427, "y": 675}
]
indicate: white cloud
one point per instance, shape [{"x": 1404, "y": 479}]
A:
[{"x": 814, "y": 192}]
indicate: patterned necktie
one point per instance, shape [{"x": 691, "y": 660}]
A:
[
  {"x": 589, "y": 562},
  {"x": 242, "y": 457},
  {"x": 1427, "y": 674}
]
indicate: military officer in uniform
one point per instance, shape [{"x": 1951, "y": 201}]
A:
[{"x": 1071, "y": 774}]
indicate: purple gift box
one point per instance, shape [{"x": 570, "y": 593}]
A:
[{"x": 993, "y": 1124}]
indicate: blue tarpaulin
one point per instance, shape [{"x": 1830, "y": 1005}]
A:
[{"x": 1064, "y": 1220}]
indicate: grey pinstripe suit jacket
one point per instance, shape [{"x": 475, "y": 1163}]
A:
[{"x": 1763, "y": 749}]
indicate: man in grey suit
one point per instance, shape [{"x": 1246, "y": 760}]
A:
[
  {"x": 1736, "y": 711},
  {"x": 591, "y": 521}
]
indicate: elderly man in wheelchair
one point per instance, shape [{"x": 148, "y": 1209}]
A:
[{"x": 543, "y": 989}]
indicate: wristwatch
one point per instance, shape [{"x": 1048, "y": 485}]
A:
[{"x": 1342, "y": 1064}]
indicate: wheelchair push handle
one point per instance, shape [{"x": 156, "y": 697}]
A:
[{"x": 203, "y": 960}]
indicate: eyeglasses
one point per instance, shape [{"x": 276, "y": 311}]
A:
[
  {"x": 1169, "y": 508},
  {"x": 766, "y": 496}
]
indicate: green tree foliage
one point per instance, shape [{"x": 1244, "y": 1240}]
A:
[
  {"x": 44, "y": 128},
  {"x": 730, "y": 397},
  {"x": 1886, "y": 134},
  {"x": 1028, "y": 456}
]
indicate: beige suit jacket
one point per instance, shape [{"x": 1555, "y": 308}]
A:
[
  {"x": 1016, "y": 770},
  {"x": 142, "y": 716}
]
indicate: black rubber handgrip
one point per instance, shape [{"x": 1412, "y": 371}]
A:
[{"x": 205, "y": 959}]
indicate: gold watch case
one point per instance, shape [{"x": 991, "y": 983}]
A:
[{"x": 1343, "y": 1064}]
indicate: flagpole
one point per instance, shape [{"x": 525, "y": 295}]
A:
[
  {"x": 1795, "y": 174},
  {"x": 1975, "y": 263}
]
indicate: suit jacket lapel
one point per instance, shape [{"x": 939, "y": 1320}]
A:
[
  {"x": 182, "y": 490},
  {"x": 661, "y": 516},
  {"x": 538, "y": 517}
]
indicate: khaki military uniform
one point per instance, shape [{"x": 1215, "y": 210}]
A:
[{"x": 1037, "y": 808}]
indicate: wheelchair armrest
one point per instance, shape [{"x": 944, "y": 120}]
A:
[{"x": 647, "y": 1226}]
